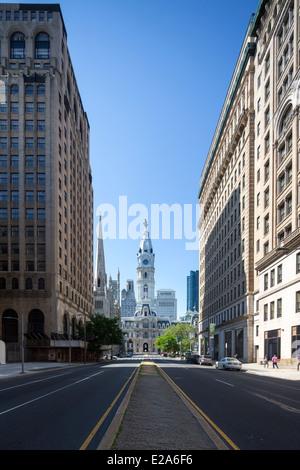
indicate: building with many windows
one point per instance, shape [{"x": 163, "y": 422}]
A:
[
  {"x": 46, "y": 194},
  {"x": 192, "y": 291},
  {"x": 166, "y": 304},
  {"x": 277, "y": 177},
  {"x": 249, "y": 279}
]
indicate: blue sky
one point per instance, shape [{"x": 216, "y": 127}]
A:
[{"x": 153, "y": 75}]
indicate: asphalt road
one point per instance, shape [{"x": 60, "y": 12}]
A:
[
  {"x": 254, "y": 412},
  {"x": 62, "y": 409},
  {"x": 71, "y": 409}
]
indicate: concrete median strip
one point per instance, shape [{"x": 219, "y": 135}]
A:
[{"x": 209, "y": 439}]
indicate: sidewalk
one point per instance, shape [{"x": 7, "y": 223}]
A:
[
  {"x": 15, "y": 369},
  {"x": 283, "y": 372}
]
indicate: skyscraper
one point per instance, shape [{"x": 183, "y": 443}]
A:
[
  {"x": 46, "y": 194},
  {"x": 192, "y": 291}
]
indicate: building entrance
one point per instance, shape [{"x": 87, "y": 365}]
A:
[{"x": 145, "y": 347}]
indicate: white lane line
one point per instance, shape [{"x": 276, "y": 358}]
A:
[
  {"x": 48, "y": 394},
  {"x": 33, "y": 382},
  {"x": 226, "y": 383}
]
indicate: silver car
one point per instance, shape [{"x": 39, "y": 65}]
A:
[
  {"x": 229, "y": 363},
  {"x": 205, "y": 360}
]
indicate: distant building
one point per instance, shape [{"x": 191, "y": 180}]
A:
[
  {"x": 192, "y": 291},
  {"x": 128, "y": 302},
  {"x": 166, "y": 304},
  {"x": 143, "y": 328},
  {"x": 101, "y": 298}
]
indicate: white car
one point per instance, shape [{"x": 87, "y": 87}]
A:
[{"x": 229, "y": 363}]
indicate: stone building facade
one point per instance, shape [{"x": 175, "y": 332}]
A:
[
  {"x": 46, "y": 194},
  {"x": 249, "y": 283},
  {"x": 143, "y": 328}
]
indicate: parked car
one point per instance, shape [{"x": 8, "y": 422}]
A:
[
  {"x": 188, "y": 355},
  {"x": 205, "y": 360},
  {"x": 194, "y": 359},
  {"x": 229, "y": 363}
]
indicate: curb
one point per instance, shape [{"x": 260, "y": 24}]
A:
[{"x": 110, "y": 435}]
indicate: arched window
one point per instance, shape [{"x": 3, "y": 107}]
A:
[
  {"x": 29, "y": 90},
  {"x": 36, "y": 322},
  {"x": 28, "y": 283},
  {"x": 17, "y": 46},
  {"x": 42, "y": 46},
  {"x": 41, "y": 284},
  {"x": 2, "y": 283},
  {"x": 15, "y": 283},
  {"x": 14, "y": 90},
  {"x": 41, "y": 90},
  {"x": 285, "y": 118}
]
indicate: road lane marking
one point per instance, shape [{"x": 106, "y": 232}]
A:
[
  {"x": 33, "y": 382},
  {"x": 226, "y": 383},
  {"x": 98, "y": 425},
  {"x": 47, "y": 394},
  {"x": 277, "y": 403},
  {"x": 225, "y": 437}
]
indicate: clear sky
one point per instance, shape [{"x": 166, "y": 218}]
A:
[{"x": 153, "y": 76}]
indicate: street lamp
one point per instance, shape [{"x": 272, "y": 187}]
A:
[{"x": 22, "y": 338}]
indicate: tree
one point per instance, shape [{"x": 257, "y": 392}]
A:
[
  {"x": 102, "y": 331},
  {"x": 168, "y": 341}
]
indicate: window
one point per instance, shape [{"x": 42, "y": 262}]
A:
[
  {"x": 29, "y": 196},
  {"x": 279, "y": 308},
  {"x": 41, "y": 107},
  {"x": 29, "y": 90},
  {"x": 29, "y": 125},
  {"x": 298, "y": 263},
  {"x": 42, "y": 46},
  {"x": 279, "y": 273},
  {"x": 265, "y": 312},
  {"x": 266, "y": 281},
  {"x": 28, "y": 107},
  {"x": 14, "y": 90},
  {"x": 285, "y": 118},
  {"x": 17, "y": 46},
  {"x": 298, "y": 301},
  {"x": 272, "y": 310},
  {"x": 14, "y": 125},
  {"x": 272, "y": 283},
  {"x": 29, "y": 213},
  {"x": 41, "y": 90}
]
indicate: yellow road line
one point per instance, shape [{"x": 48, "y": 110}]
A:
[
  {"x": 227, "y": 439},
  {"x": 96, "y": 428}
]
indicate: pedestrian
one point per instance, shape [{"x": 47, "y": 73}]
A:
[
  {"x": 274, "y": 360},
  {"x": 266, "y": 361},
  {"x": 298, "y": 361}
]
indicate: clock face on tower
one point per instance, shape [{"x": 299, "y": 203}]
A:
[{"x": 145, "y": 262}]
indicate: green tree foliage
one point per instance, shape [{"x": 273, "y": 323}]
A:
[
  {"x": 101, "y": 331},
  {"x": 168, "y": 341}
]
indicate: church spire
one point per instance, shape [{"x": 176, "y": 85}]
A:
[{"x": 100, "y": 274}]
